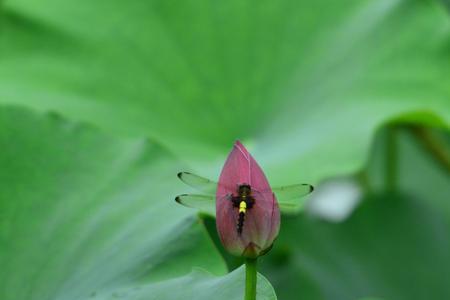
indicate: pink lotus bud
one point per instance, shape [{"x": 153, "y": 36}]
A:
[{"x": 247, "y": 213}]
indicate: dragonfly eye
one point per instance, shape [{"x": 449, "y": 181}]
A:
[{"x": 244, "y": 188}]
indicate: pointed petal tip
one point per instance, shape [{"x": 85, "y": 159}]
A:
[{"x": 239, "y": 146}]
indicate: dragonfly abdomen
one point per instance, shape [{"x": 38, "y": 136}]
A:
[
  {"x": 241, "y": 218},
  {"x": 240, "y": 224}
]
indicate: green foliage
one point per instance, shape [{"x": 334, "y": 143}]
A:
[
  {"x": 394, "y": 246},
  {"x": 196, "y": 285},
  {"x": 82, "y": 212},
  {"x": 306, "y": 84},
  {"x": 169, "y": 85}
]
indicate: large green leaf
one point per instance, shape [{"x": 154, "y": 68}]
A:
[
  {"x": 392, "y": 247},
  {"x": 395, "y": 246},
  {"x": 305, "y": 84},
  {"x": 198, "y": 285},
  {"x": 82, "y": 213}
]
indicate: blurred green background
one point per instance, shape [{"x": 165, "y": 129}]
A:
[{"x": 103, "y": 102}]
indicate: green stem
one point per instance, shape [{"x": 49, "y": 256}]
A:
[
  {"x": 250, "y": 279},
  {"x": 436, "y": 147},
  {"x": 391, "y": 159}
]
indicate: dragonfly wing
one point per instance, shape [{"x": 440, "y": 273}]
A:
[
  {"x": 204, "y": 203},
  {"x": 199, "y": 183},
  {"x": 291, "y": 197}
]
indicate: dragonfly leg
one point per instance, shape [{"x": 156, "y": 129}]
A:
[
  {"x": 250, "y": 201},
  {"x": 236, "y": 201}
]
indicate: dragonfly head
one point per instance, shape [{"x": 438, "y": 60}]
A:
[{"x": 244, "y": 189}]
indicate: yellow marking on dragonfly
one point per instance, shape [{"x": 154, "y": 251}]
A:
[{"x": 242, "y": 207}]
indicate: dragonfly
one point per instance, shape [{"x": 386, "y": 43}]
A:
[{"x": 291, "y": 198}]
